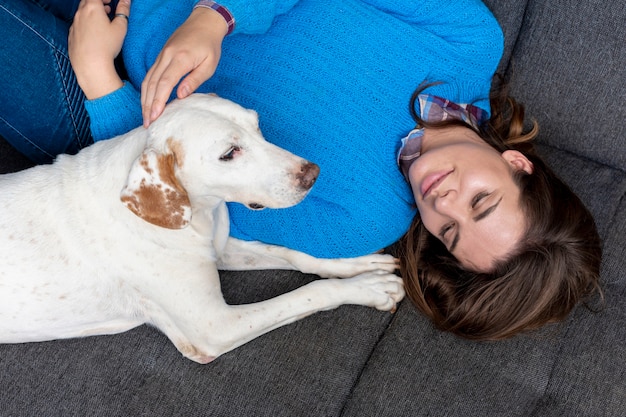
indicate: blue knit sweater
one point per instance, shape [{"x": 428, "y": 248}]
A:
[{"x": 331, "y": 81}]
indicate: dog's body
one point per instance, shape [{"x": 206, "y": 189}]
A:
[{"x": 133, "y": 230}]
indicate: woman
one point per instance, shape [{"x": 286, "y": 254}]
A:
[
  {"x": 550, "y": 262},
  {"x": 329, "y": 82}
]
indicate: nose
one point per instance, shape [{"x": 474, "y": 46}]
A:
[
  {"x": 446, "y": 202},
  {"x": 308, "y": 175}
]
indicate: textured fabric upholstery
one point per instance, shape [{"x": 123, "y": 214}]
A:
[{"x": 568, "y": 67}]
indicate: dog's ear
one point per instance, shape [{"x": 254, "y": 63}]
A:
[{"x": 153, "y": 192}]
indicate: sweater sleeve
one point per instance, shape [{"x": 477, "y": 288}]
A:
[
  {"x": 115, "y": 113},
  {"x": 254, "y": 17}
]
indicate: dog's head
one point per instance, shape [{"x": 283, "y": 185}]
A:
[{"x": 206, "y": 146}]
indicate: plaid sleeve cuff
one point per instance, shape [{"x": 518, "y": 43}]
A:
[{"x": 228, "y": 17}]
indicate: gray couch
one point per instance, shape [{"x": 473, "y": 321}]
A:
[{"x": 568, "y": 59}]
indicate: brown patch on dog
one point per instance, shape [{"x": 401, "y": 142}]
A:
[
  {"x": 193, "y": 353},
  {"x": 146, "y": 165},
  {"x": 159, "y": 198},
  {"x": 176, "y": 147}
]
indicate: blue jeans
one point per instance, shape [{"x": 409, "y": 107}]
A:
[{"x": 42, "y": 110}]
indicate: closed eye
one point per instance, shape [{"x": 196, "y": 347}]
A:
[
  {"x": 230, "y": 153},
  {"x": 479, "y": 197},
  {"x": 445, "y": 229}
]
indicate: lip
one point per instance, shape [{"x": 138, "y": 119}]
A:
[{"x": 432, "y": 181}]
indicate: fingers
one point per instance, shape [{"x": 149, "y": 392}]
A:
[
  {"x": 159, "y": 83},
  {"x": 161, "y": 79},
  {"x": 197, "y": 77},
  {"x": 122, "y": 13},
  {"x": 190, "y": 83},
  {"x": 93, "y": 43},
  {"x": 120, "y": 21},
  {"x": 192, "y": 52}
]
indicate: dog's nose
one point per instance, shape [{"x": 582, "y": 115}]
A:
[{"x": 308, "y": 174}]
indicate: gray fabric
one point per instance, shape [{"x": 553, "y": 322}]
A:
[
  {"x": 568, "y": 68},
  {"x": 589, "y": 376},
  {"x": 614, "y": 247},
  {"x": 571, "y": 369},
  {"x": 510, "y": 15},
  {"x": 419, "y": 371}
]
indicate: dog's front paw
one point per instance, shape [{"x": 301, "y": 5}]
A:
[
  {"x": 377, "y": 289},
  {"x": 350, "y": 267}
]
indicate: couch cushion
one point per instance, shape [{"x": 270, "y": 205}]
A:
[
  {"x": 568, "y": 68},
  {"x": 510, "y": 15},
  {"x": 589, "y": 376},
  {"x": 419, "y": 371},
  {"x": 571, "y": 369}
]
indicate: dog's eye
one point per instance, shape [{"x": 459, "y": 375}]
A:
[{"x": 230, "y": 154}]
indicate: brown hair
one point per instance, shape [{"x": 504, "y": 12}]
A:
[{"x": 555, "y": 266}]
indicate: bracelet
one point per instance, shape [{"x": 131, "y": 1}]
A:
[{"x": 228, "y": 17}]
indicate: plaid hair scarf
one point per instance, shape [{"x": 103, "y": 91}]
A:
[{"x": 435, "y": 109}]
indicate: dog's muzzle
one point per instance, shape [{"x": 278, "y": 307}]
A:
[{"x": 301, "y": 184}]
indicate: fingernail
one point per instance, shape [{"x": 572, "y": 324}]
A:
[{"x": 184, "y": 91}]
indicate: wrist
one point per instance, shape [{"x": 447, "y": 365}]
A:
[
  {"x": 98, "y": 81},
  {"x": 219, "y": 13}
]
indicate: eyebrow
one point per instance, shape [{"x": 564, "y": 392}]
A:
[{"x": 477, "y": 218}]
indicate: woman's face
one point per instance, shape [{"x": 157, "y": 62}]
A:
[{"x": 466, "y": 195}]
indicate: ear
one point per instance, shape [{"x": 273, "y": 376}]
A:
[
  {"x": 153, "y": 192},
  {"x": 518, "y": 161}
]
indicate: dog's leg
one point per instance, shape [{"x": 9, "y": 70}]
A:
[
  {"x": 245, "y": 255},
  {"x": 374, "y": 289},
  {"x": 203, "y": 326}
]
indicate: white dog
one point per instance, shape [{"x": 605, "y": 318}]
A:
[{"x": 133, "y": 230}]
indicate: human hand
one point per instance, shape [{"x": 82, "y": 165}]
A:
[
  {"x": 93, "y": 44},
  {"x": 194, "y": 49}
]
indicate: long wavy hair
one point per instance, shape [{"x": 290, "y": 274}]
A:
[{"x": 554, "y": 267}]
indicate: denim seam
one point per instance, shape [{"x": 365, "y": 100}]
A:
[
  {"x": 31, "y": 28},
  {"x": 27, "y": 140},
  {"x": 61, "y": 69}
]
